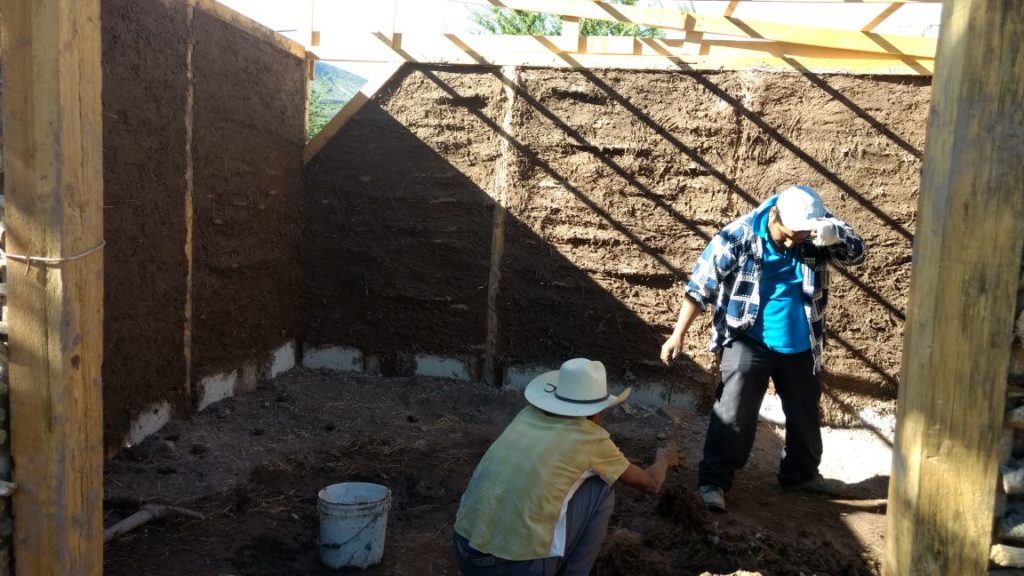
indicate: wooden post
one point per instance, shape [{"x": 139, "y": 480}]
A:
[
  {"x": 53, "y": 157},
  {"x": 190, "y": 212},
  {"x": 503, "y": 174},
  {"x": 967, "y": 251},
  {"x": 314, "y": 32},
  {"x": 572, "y": 38}
]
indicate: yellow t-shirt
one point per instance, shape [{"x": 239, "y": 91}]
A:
[{"x": 512, "y": 503}]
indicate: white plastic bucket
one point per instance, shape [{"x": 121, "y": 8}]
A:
[{"x": 353, "y": 521}]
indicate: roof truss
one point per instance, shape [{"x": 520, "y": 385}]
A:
[{"x": 693, "y": 42}]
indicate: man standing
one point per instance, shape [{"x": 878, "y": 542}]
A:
[
  {"x": 767, "y": 276},
  {"x": 540, "y": 499}
]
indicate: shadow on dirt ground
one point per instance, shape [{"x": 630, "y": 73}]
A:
[{"x": 253, "y": 465}]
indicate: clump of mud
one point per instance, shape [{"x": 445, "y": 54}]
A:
[{"x": 684, "y": 508}]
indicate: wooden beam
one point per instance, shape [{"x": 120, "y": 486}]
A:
[
  {"x": 360, "y": 99},
  {"x": 827, "y": 1},
  {"x": 882, "y": 17},
  {"x": 501, "y": 186},
  {"x": 966, "y": 263},
  {"x": 243, "y": 22},
  {"x": 380, "y": 48},
  {"x": 572, "y": 39},
  {"x": 676, "y": 20},
  {"x": 314, "y": 32},
  {"x": 549, "y": 51},
  {"x": 189, "y": 215},
  {"x": 53, "y": 159}
]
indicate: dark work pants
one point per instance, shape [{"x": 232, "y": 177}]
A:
[
  {"x": 746, "y": 367},
  {"x": 586, "y": 524}
]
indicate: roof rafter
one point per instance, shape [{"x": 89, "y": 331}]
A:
[
  {"x": 920, "y": 47},
  {"x": 623, "y": 52}
]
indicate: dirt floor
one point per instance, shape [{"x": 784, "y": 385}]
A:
[{"x": 253, "y": 465}]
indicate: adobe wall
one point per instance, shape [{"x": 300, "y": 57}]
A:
[
  {"x": 144, "y": 86},
  {"x": 248, "y": 125},
  {"x": 604, "y": 187},
  {"x": 250, "y": 129}
]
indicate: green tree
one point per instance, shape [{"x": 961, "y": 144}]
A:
[
  {"x": 321, "y": 109},
  {"x": 520, "y": 22},
  {"x": 517, "y": 22}
]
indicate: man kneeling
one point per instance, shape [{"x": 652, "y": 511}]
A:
[{"x": 540, "y": 499}]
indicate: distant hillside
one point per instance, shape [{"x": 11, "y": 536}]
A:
[
  {"x": 340, "y": 84},
  {"x": 332, "y": 87}
]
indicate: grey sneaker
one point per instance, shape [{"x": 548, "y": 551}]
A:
[
  {"x": 713, "y": 497},
  {"x": 822, "y": 485}
]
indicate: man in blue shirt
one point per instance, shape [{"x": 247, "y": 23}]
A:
[{"x": 767, "y": 276}]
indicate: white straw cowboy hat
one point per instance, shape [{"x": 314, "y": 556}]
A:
[{"x": 579, "y": 388}]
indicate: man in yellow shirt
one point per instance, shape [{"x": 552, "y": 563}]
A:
[{"x": 540, "y": 499}]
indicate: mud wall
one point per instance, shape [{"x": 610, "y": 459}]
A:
[
  {"x": 144, "y": 87},
  {"x": 243, "y": 157},
  {"x": 397, "y": 240},
  {"x": 605, "y": 188},
  {"x": 249, "y": 130}
]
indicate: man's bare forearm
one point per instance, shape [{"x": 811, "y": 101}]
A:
[{"x": 688, "y": 311}]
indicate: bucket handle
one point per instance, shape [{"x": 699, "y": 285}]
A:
[{"x": 353, "y": 537}]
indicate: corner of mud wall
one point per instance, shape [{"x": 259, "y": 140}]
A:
[
  {"x": 247, "y": 114},
  {"x": 248, "y": 136},
  {"x": 604, "y": 187},
  {"x": 399, "y": 208}
]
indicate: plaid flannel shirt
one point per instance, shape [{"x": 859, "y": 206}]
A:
[{"x": 728, "y": 274}]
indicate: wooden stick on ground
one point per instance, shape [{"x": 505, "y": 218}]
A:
[{"x": 147, "y": 513}]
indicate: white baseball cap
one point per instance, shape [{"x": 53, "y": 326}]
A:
[{"x": 800, "y": 208}]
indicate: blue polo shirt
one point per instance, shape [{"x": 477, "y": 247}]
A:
[{"x": 781, "y": 322}]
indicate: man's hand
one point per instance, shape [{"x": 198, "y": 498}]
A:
[
  {"x": 826, "y": 234},
  {"x": 671, "y": 455},
  {"x": 650, "y": 479},
  {"x": 672, "y": 349}
]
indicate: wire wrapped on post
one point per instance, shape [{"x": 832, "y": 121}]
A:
[{"x": 30, "y": 260}]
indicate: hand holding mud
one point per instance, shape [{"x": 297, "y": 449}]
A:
[
  {"x": 672, "y": 349},
  {"x": 671, "y": 455}
]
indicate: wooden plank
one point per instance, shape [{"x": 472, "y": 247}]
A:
[
  {"x": 966, "y": 263},
  {"x": 360, "y": 99},
  {"x": 254, "y": 28},
  {"x": 882, "y": 17},
  {"x": 676, "y": 20},
  {"x": 379, "y": 47},
  {"x": 500, "y": 188},
  {"x": 827, "y": 1},
  {"x": 543, "y": 51},
  {"x": 570, "y": 27},
  {"x": 53, "y": 159},
  {"x": 572, "y": 40}
]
